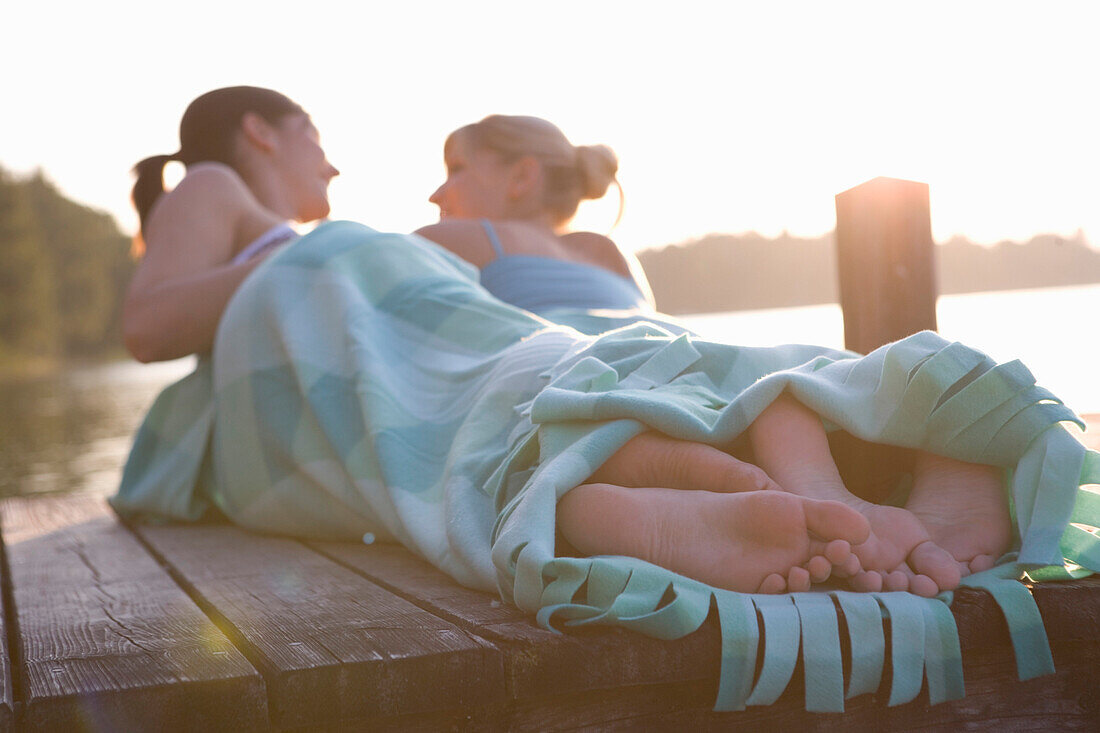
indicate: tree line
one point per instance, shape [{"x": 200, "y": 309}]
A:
[
  {"x": 63, "y": 274},
  {"x": 726, "y": 272}
]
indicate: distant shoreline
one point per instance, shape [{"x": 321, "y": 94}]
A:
[
  {"x": 939, "y": 295},
  {"x": 725, "y": 272}
]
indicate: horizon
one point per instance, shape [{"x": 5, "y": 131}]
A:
[
  {"x": 726, "y": 118},
  {"x": 1078, "y": 236}
]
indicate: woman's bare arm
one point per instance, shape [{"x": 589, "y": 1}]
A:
[{"x": 183, "y": 283}]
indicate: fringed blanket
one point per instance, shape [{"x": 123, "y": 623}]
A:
[{"x": 364, "y": 385}]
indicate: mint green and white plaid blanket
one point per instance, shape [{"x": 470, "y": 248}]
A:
[{"x": 363, "y": 385}]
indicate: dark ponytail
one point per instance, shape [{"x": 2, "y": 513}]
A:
[
  {"x": 149, "y": 184},
  {"x": 208, "y": 132}
]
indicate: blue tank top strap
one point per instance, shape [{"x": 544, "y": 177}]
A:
[{"x": 493, "y": 238}]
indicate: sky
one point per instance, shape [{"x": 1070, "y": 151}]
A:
[{"x": 726, "y": 116}]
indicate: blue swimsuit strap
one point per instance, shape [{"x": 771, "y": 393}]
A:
[{"x": 493, "y": 238}]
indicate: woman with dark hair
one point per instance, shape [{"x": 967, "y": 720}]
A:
[{"x": 254, "y": 162}]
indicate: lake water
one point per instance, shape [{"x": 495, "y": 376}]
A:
[
  {"x": 71, "y": 433},
  {"x": 1054, "y": 331}
]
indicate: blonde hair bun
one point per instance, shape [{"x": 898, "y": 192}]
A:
[
  {"x": 597, "y": 166},
  {"x": 572, "y": 172}
]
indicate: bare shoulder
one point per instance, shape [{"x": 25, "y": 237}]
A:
[
  {"x": 214, "y": 173},
  {"x": 210, "y": 209},
  {"x": 465, "y": 237},
  {"x": 590, "y": 240},
  {"x": 598, "y": 249},
  {"x": 207, "y": 186},
  {"x": 603, "y": 251},
  {"x": 198, "y": 224}
]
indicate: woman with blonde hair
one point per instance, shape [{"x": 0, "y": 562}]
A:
[{"x": 513, "y": 185}]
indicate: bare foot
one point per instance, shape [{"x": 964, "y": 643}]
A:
[
  {"x": 789, "y": 442},
  {"x": 964, "y": 509},
  {"x": 653, "y": 459},
  {"x": 901, "y": 551},
  {"x": 898, "y": 555},
  {"x": 758, "y": 541}
]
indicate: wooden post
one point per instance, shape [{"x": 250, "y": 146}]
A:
[{"x": 885, "y": 262}]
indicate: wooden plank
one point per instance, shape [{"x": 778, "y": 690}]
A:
[
  {"x": 537, "y": 662},
  {"x": 885, "y": 262},
  {"x": 331, "y": 645},
  {"x": 634, "y": 681},
  {"x": 996, "y": 699},
  {"x": 108, "y": 640},
  {"x": 998, "y": 703}
]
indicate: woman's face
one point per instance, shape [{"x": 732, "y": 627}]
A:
[
  {"x": 477, "y": 185},
  {"x": 307, "y": 171}
]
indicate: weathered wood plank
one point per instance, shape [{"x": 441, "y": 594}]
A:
[
  {"x": 1000, "y": 703},
  {"x": 885, "y": 262},
  {"x": 995, "y": 700},
  {"x": 537, "y": 663},
  {"x": 613, "y": 679},
  {"x": 108, "y": 640},
  {"x": 331, "y": 645}
]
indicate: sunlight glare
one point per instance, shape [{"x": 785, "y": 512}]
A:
[{"x": 726, "y": 117}]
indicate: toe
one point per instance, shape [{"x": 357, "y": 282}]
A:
[
  {"x": 849, "y": 567},
  {"x": 922, "y": 585},
  {"x": 896, "y": 580},
  {"x": 819, "y": 568},
  {"x": 982, "y": 562},
  {"x": 866, "y": 582},
  {"x": 798, "y": 580},
  {"x": 838, "y": 551},
  {"x": 930, "y": 559},
  {"x": 774, "y": 583}
]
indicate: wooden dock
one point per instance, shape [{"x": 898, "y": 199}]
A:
[{"x": 113, "y": 627}]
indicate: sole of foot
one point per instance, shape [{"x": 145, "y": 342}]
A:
[{"x": 759, "y": 541}]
